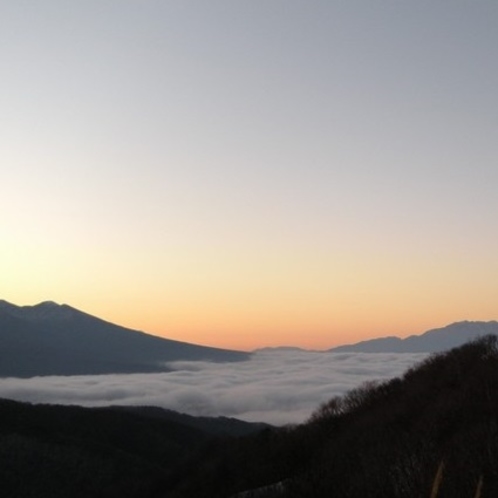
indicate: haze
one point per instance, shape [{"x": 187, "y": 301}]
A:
[{"x": 242, "y": 174}]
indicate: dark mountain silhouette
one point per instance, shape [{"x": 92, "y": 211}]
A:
[
  {"x": 431, "y": 433},
  {"x": 432, "y": 341},
  {"x": 68, "y": 451},
  {"x": 52, "y": 339}
]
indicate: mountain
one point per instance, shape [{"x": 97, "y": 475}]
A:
[
  {"x": 62, "y": 451},
  {"x": 53, "y": 339},
  {"x": 432, "y": 341}
]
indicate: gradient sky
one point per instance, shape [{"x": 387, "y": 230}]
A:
[{"x": 252, "y": 173}]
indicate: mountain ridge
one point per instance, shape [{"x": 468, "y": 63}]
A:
[
  {"x": 41, "y": 311},
  {"x": 432, "y": 341}
]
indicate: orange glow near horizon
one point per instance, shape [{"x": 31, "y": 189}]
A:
[
  {"x": 237, "y": 176},
  {"x": 246, "y": 320},
  {"x": 244, "y": 300}
]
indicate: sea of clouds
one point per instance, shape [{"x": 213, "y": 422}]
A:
[{"x": 275, "y": 386}]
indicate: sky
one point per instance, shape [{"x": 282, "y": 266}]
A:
[
  {"x": 276, "y": 387},
  {"x": 252, "y": 173}
]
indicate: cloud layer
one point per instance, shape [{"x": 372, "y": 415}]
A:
[{"x": 277, "y": 387}]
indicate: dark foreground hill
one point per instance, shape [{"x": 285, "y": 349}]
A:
[
  {"x": 433, "y": 432},
  {"x": 67, "y": 451},
  {"x": 432, "y": 341},
  {"x": 52, "y": 339}
]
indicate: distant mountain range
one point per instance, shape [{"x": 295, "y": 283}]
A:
[
  {"x": 53, "y": 339},
  {"x": 432, "y": 341}
]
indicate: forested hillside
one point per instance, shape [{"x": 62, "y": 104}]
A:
[{"x": 438, "y": 424}]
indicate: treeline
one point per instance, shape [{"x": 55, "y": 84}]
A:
[{"x": 433, "y": 432}]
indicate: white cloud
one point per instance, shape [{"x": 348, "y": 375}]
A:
[{"x": 278, "y": 387}]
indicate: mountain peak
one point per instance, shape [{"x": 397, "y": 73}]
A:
[
  {"x": 41, "y": 311},
  {"x": 47, "y": 304}
]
